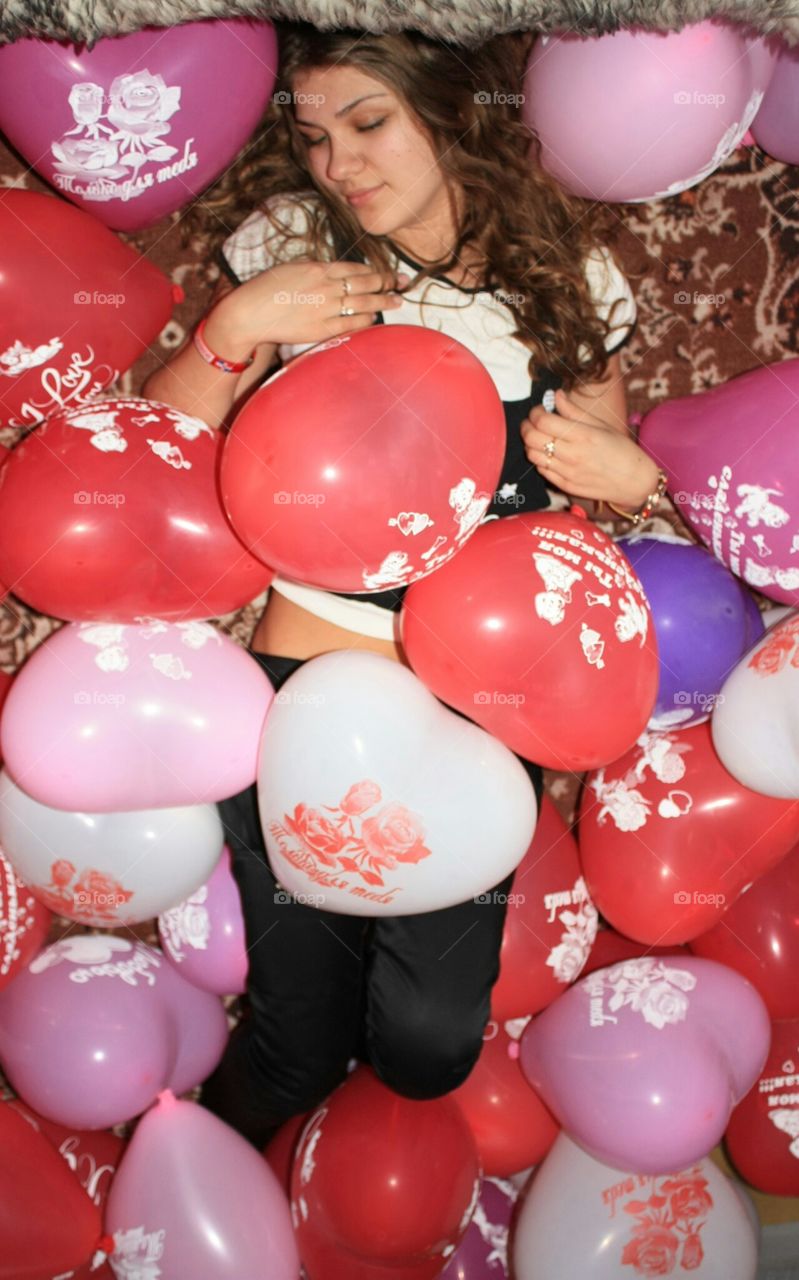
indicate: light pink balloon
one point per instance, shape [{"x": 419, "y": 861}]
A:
[
  {"x": 637, "y": 115},
  {"x": 97, "y": 1026},
  {"x": 204, "y": 937},
  {"x": 776, "y": 125},
  {"x": 192, "y": 1198},
  {"x": 733, "y": 470},
  {"x": 108, "y": 718},
  {"x": 133, "y": 127},
  {"x": 642, "y": 1062}
]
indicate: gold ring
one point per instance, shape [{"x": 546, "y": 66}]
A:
[
  {"x": 346, "y": 311},
  {"x": 549, "y": 449},
  {"x": 346, "y": 284}
]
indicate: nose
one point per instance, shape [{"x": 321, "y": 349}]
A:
[{"x": 342, "y": 160}]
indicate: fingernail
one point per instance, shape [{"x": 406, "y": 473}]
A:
[{"x": 403, "y": 278}]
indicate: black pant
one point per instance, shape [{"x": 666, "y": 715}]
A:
[{"x": 411, "y": 995}]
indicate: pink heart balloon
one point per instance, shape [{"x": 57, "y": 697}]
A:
[
  {"x": 733, "y": 472},
  {"x": 134, "y": 127},
  {"x": 96, "y": 1026},
  {"x": 377, "y": 800},
  {"x": 204, "y": 938},
  {"x": 108, "y": 718},
  {"x": 193, "y": 1198},
  {"x": 643, "y": 1062}
]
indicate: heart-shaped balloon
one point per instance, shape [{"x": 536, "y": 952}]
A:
[
  {"x": 704, "y": 618},
  {"x": 759, "y": 937},
  {"x": 581, "y": 1218},
  {"x": 77, "y": 306},
  {"x": 642, "y": 1063},
  {"x": 611, "y": 947},
  {"x": 763, "y": 1134},
  {"x": 395, "y": 446},
  {"x": 108, "y": 869},
  {"x": 204, "y": 936},
  {"x": 511, "y": 1126},
  {"x": 539, "y": 615},
  {"x": 111, "y": 511},
  {"x": 776, "y": 125},
  {"x": 125, "y": 128},
  {"x": 669, "y": 839},
  {"x": 483, "y": 1252},
  {"x": 24, "y": 923},
  {"x": 742, "y": 501},
  {"x": 755, "y": 724},
  {"x": 97, "y": 1025},
  {"x": 376, "y": 800},
  {"x": 550, "y": 925},
  {"x": 109, "y": 718},
  {"x": 192, "y": 1198}
]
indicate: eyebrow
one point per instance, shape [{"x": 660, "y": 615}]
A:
[{"x": 309, "y": 124}]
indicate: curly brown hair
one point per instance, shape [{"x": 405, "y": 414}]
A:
[{"x": 529, "y": 237}]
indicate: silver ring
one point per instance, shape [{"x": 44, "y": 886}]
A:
[
  {"x": 549, "y": 449},
  {"x": 347, "y": 286},
  {"x": 346, "y": 311}
]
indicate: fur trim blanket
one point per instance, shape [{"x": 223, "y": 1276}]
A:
[{"x": 466, "y": 21}]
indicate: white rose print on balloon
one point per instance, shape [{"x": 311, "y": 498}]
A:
[
  {"x": 117, "y": 133},
  {"x": 568, "y": 958},
  {"x": 646, "y": 986},
  {"x": 620, "y": 798}
]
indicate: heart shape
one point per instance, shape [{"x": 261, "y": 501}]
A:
[
  {"x": 377, "y": 800},
  {"x": 763, "y": 1134},
  {"x": 632, "y": 1035}
]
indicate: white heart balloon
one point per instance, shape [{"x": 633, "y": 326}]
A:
[
  {"x": 376, "y": 799},
  {"x": 582, "y": 1218},
  {"x": 755, "y": 721},
  {"x": 108, "y": 869}
]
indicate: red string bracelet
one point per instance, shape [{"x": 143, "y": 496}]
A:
[{"x": 218, "y": 362}]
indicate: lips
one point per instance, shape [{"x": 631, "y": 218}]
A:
[{"x": 365, "y": 193}]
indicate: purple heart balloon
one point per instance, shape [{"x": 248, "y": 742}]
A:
[
  {"x": 642, "y": 1062},
  {"x": 483, "y": 1252},
  {"x": 204, "y": 938}
]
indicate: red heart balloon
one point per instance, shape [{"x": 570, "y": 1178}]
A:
[
  {"x": 77, "y": 307},
  {"x": 511, "y": 1126},
  {"x": 759, "y": 937},
  {"x": 24, "y": 923},
  {"x": 112, "y": 511},
  {"x": 669, "y": 839},
  {"x": 538, "y": 616},
  {"x": 611, "y": 948},
  {"x": 550, "y": 923},
  {"x": 763, "y": 1134}
]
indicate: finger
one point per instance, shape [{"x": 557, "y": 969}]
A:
[
  {"x": 539, "y": 435},
  {"x": 366, "y": 280}
]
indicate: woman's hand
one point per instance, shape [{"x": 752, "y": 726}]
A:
[
  {"x": 301, "y": 301},
  {"x": 587, "y": 457}
]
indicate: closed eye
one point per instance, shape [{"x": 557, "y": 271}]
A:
[{"x": 361, "y": 128}]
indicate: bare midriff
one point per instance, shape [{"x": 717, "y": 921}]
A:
[{"x": 287, "y": 630}]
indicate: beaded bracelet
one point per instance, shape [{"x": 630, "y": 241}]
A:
[
  {"x": 218, "y": 362},
  {"x": 650, "y": 502}
]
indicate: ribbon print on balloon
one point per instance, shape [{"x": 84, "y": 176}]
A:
[
  {"x": 648, "y": 986},
  {"x": 667, "y": 1223},
  {"x": 348, "y": 842},
  {"x": 108, "y": 145}
]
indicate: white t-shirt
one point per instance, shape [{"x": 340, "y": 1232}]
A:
[{"x": 475, "y": 317}]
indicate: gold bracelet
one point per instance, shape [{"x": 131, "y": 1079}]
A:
[{"x": 650, "y": 502}]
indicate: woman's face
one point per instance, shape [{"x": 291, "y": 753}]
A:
[{"x": 368, "y": 149}]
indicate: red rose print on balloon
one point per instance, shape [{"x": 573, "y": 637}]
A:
[
  {"x": 668, "y": 1225},
  {"x": 346, "y": 842},
  {"x": 95, "y": 896},
  {"x": 652, "y": 1250}
]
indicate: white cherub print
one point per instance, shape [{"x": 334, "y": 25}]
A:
[
  {"x": 593, "y": 646},
  {"x": 393, "y": 572},
  {"x": 559, "y": 578},
  {"x": 170, "y": 453},
  {"x": 632, "y": 621},
  {"x": 18, "y": 358},
  {"x": 169, "y": 664},
  {"x": 469, "y": 506},
  {"x": 661, "y": 753},
  {"x": 787, "y": 1120},
  {"x": 188, "y": 427},
  {"x": 621, "y": 801},
  {"x": 757, "y": 507}
]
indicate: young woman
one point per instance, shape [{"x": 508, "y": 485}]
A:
[{"x": 396, "y": 183}]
